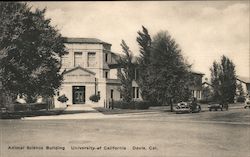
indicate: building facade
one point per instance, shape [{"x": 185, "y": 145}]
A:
[{"x": 87, "y": 70}]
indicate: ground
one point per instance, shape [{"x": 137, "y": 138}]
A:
[{"x": 155, "y": 133}]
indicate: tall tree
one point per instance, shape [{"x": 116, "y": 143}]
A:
[
  {"x": 30, "y": 50},
  {"x": 144, "y": 41},
  {"x": 223, "y": 79},
  {"x": 169, "y": 72},
  {"x": 126, "y": 73}
]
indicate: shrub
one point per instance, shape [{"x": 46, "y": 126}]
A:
[
  {"x": 62, "y": 98},
  {"x": 31, "y": 106},
  {"x": 94, "y": 98},
  {"x": 132, "y": 105},
  {"x": 240, "y": 99},
  {"x": 205, "y": 101}
]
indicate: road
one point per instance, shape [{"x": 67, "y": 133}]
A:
[{"x": 149, "y": 134}]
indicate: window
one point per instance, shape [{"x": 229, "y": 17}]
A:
[
  {"x": 133, "y": 92},
  {"x": 198, "y": 94},
  {"x": 99, "y": 93},
  {"x": 120, "y": 95},
  {"x": 91, "y": 59},
  {"x": 137, "y": 92},
  {"x": 106, "y": 57},
  {"x": 78, "y": 59},
  {"x": 111, "y": 93},
  {"x": 106, "y": 74}
]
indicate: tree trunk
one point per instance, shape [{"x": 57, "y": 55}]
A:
[{"x": 171, "y": 105}]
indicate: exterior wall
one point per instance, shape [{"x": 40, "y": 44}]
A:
[
  {"x": 79, "y": 76},
  {"x": 116, "y": 92}
]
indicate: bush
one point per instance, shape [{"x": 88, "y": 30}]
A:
[
  {"x": 94, "y": 98},
  {"x": 205, "y": 101},
  {"x": 132, "y": 105},
  {"x": 62, "y": 98},
  {"x": 240, "y": 99},
  {"x": 32, "y": 106}
]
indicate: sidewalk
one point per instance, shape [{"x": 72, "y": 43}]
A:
[{"x": 74, "y": 112}]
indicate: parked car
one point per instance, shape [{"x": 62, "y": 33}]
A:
[
  {"x": 215, "y": 106},
  {"x": 187, "y": 107},
  {"x": 182, "y": 107},
  {"x": 247, "y": 103}
]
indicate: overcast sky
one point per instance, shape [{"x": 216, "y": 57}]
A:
[{"x": 204, "y": 30}]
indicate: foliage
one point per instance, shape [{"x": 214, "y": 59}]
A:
[
  {"x": 223, "y": 79},
  {"x": 126, "y": 73},
  {"x": 207, "y": 93},
  {"x": 168, "y": 73},
  {"x": 31, "y": 106},
  {"x": 30, "y": 51},
  {"x": 94, "y": 98},
  {"x": 144, "y": 41},
  {"x": 131, "y": 105},
  {"x": 240, "y": 99},
  {"x": 62, "y": 98},
  {"x": 240, "y": 91}
]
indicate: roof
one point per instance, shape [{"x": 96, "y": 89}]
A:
[
  {"x": 207, "y": 84},
  {"x": 197, "y": 72},
  {"x": 243, "y": 79},
  {"x": 79, "y": 67},
  {"x": 84, "y": 40}
]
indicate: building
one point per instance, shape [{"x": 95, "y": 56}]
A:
[
  {"x": 196, "y": 84},
  {"x": 245, "y": 82},
  {"x": 88, "y": 68}
]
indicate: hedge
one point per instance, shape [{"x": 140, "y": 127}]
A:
[
  {"x": 31, "y": 106},
  {"x": 132, "y": 105}
]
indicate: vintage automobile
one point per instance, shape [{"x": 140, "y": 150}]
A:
[
  {"x": 187, "y": 107},
  {"x": 215, "y": 106},
  {"x": 247, "y": 103}
]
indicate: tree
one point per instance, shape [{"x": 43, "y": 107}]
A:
[
  {"x": 30, "y": 51},
  {"x": 144, "y": 41},
  {"x": 223, "y": 79},
  {"x": 168, "y": 72},
  {"x": 126, "y": 73}
]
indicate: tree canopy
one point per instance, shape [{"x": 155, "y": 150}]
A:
[
  {"x": 144, "y": 41},
  {"x": 30, "y": 51},
  {"x": 223, "y": 79},
  {"x": 169, "y": 72},
  {"x": 126, "y": 73}
]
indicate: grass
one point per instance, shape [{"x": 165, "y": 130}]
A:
[{"x": 20, "y": 114}]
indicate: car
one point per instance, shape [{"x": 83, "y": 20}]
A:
[
  {"x": 247, "y": 103},
  {"x": 182, "y": 107},
  {"x": 187, "y": 107},
  {"x": 215, "y": 106}
]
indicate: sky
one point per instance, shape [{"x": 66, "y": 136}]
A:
[{"x": 204, "y": 30}]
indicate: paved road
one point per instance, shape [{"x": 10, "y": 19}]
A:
[{"x": 149, "y": 134}]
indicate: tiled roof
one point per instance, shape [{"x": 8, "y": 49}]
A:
[{"x": 84, "y": 40}]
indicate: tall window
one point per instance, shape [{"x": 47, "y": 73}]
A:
[
  {"x": 106, "y": 57},
  {"x": 111, "y": 93},
  {"x": 106, "y": 74},
  {"x": 91, "y": 59},
  {"x": 137, "y": 92},
  {"x": 78, "y": 61},
  {"x": 134, "y": 88}
]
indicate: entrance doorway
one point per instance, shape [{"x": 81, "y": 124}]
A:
[{"x": 78, "y": 94}]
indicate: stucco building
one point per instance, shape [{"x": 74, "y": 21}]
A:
[{"x": 88, "y": 69}]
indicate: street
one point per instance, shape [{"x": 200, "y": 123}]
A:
[{"x": 152, "y": 134}]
